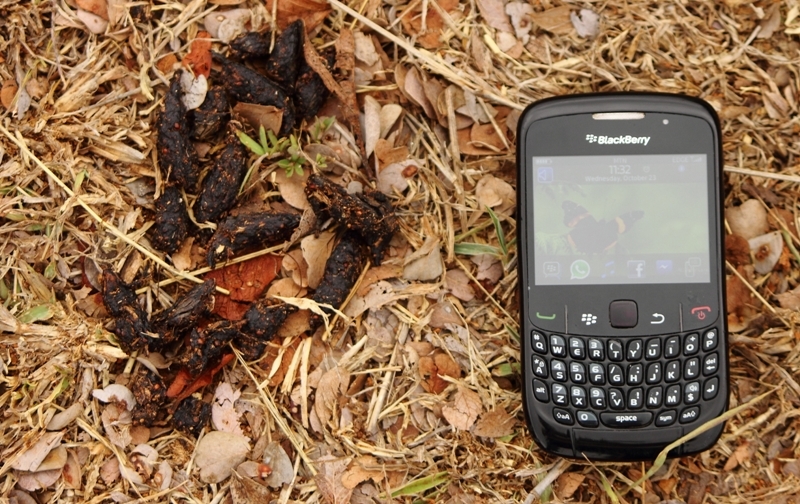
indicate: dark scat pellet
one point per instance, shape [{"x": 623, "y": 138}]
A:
[
  {"x": 221, "y": 185},
  {"x": 186, "y": 311},
  {"x": 191, "y": 416},
  {"x": 177, "y": 158},
  {"x": 370, "y": 214},
  {"x": 284, "y": 60},
  {"x": 244, "y": 231},
  {"x": 171, "y": 221},
  {"x": 342, "y": 270},
  {"x": 131, "y": 325},
  {"x": 206, "y": 346},
  {"x": 150, "y": 393},
  {"x": 251, "y": 45},
  {"x": 212, "y": 114},
  {"x": 261, "y": 324}
]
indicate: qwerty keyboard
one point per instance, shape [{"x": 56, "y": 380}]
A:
[{"x": 625, "y": 382}]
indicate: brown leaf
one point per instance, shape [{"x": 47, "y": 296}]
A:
[
  {"x": 433, "y": 367},
  {"x": 96, "y": 7},
  {"x": 413, "y": 87},
  {"x": 464, "y": 409},
  {"x": 260, "y": 115},
  {"x": 737, "y": 250},
  {"x": 312, "y": 12},
  {"x": 8, "y": 92},
  {"x": 217, "y": 453},
  {"x": 329, "y": 479},
  {"x": 332, "y": 385},
  {"x": 388, "y": 154},
  {"x": 316, "y": 250},
  {"x": 494, "y": 424},
  {"x": 345, "y": 64},
  {"x": 378, "y": 273},
  {"x": 555, "y": 20},
  {"x": 363, "y": 468},
  {"x": 790, "y": 299},
  {"x": 246, "y": 281},
  {"x": 167, "y": 63},
  {"x": 496, "y": 193},
  {"x": 493, "y": 12},
  {"x": 568, "y": 483},
  {"x": 466, "y": 146},
  {"x": 72, "y": 472},
  {"x": 741, "y": 455},
  {"x": 247, "y": 491},
  {"x": 199, "y": 57},
  {"x": 485, "y": 136},
  {"x": 32, "y": 457},
  {"x": 458, "y": 283}
]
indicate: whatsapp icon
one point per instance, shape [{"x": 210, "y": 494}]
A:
[{"x": 579, "y": 270}]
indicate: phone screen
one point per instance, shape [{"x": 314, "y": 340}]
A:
[{"x": 620, "y": 220}]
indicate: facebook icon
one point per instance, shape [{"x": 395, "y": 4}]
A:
[{"x": 635, "y": 269}]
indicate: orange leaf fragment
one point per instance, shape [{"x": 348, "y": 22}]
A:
[
  {"x": 312, "y": 12},
  {"x": 204, "y": 379},
  {"x": 199, "y": 57},
  {"x": 246, "y": 281}
]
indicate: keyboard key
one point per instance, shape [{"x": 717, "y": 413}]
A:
[
  {"x": 627, "y": 419},
  {"x": 691, "y": 393},
  {"x": 635, "y": 372},
  {"x": 654, "y": 397},
  {"x": 666, "y": 418},
  {"x": 692, "y": 368},
  {"x": 673, "y": 396},
  {"x": 673, "y": 347},
  {"x": 615, "y": 351},
  {"x": 710, "y": 340},
  {"x": 653, "y": 373},
  {"x": 710, "y": 388},
  {"x": 560, "y": 394},
  {"x": 558, "y": 346},
  {"x": 577, "y": 372},
  {"x": 540, "y": 391},
  {"x": 597, "y": 398},
  {"x": 539, "y": 343},
  {"x": 559, "y": 370},
  {"x": 596, "y": 350},
  {"x": 710, "y": 364},
  {"x": 578, "y": 397},
  {"x": 616, "y": 399},
  {"x": 539, "y": 367},
  {"x": 577, "y": 348},
  {"x": 597, "y": 374},
  {"x": 634, "y": 350},
  {"x": 587, "y": 419},
  {"x": 673, "y": 371},
  {"x": 690, "y": 414},
  {"x": 615, "y": 374},
  {"x": 691, "y": 344},
  {"x": 635, "y": 398},
  {"x": 563, "y": 416},
  {"x": 653, "y": 350}
]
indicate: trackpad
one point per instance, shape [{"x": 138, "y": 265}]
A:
[{"x": 620, "y": 444}]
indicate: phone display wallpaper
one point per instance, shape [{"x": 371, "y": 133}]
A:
[{"x": 597, "y": 221}]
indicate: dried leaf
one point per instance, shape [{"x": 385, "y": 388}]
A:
[
  {"x": 280, "y": 463},
  {"x": 520, "y": 14},
  {"x": 372, "y": 123},
  {"x": 433, "y": 367},
  {"x": 292, "y": 188},
  {"x": 426, "y": 263},
  {"x": 388, "y": 116},
  {"x": 109, "y": 471},
  {"x": 556, "y": 20},
  {"x": 790, "y": 299},
  {"x": 8, "y": 92},
  {"x": 32, "y": 458},
  {"x": 459, "y": 284},
  {"x": 217, "y": 453},
  {"x": 568, "y": 483},
  {"x": 117, "y": 423},
  {"x": 748, "y": 219},
  {"x": 245, "y": 490},
  {"x": 33, "y": 481},
  {"x": 199, "y": 57},
  {"x": 413, "y": 87},
  {"x": 93, "y": 22},
  {"x": 269, "y": 116},
  {"x": 246, "y": 282},
  {"x": 494, "y": 14},
  {"x": 64, "y": 418},
  {"x": 96, "y": 7},
  {"x": 316, "y": 250},
  {"x": 332, "y": 385},
  {"x": 495, "y": 193},
  {"x": 312, "y": 12},
  {"x": 766, "y": 250},
  {"x": 377, "y": 295},
  {"x": 494, "y": 424},
  {"x": 464, "y": 409},
  {"x": 362, "y": 469},
  {"x": 489, "y": 268},
  {"x": 587, "y": 23},
  {"x": 223, "y": 415},
  {"x": 329, "y": 479},
  {"x": 391, "y": 178},
  {"x": 72, "y": 471},
  {"x": 771, "y": 21},
  {"x": 227, "y": 25},
  {"x": 116, "y": 393},
  {"x": 741, "y": 455},
  {"x": 194, "y": 90}
]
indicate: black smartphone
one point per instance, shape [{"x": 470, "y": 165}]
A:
[{"x": 622, "y": 295}]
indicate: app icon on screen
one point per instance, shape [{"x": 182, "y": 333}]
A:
[
  {"x": 635, "y": 269},
  {"x": 544, "y": 175},
  {"x": 579, "y": 270},
  {"x": 664, "y": 267},
  {"x": 552, "y": 269}
]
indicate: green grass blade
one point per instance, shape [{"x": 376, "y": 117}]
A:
[
  {"x": 37, "y": 313},
  {"x": 501, "y": 236},
  {"x": 421, "y": 485},
  {"x": 472, "y": 249},
  {"x": 250, "y": 143}
]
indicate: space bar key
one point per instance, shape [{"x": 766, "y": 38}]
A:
[{"x": 627, "y": 419}]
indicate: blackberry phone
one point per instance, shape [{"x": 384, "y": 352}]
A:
[{"x": 622, "y": 295}]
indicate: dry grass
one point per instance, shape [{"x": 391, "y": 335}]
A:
[{"x": 77, "y": 172}]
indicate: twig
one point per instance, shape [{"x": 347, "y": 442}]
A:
[{"x": 548, "y": 480}]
